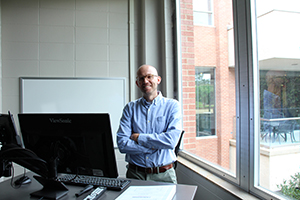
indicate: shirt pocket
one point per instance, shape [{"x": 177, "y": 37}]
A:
[{"x": 160, "y": 124}]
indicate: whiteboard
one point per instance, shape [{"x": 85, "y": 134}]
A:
[{"x": 74, "y": 95}]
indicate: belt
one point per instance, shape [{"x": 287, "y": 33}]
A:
[{"x": 151, "y": 170}]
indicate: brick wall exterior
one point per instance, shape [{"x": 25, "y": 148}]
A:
[
  {"x": 207, "y": 47},
  {"x": 188, "y": 75}
]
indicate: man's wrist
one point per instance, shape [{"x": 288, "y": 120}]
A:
[{"x": 137, "y": 138}]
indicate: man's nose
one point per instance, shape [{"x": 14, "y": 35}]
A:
[{"x": 145, "y": 80}]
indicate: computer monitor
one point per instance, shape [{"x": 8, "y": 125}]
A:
[
  {"x": 12, "y": 150},
  {"x": 8, "y": 136},
  {"x": 76, "y": 143},
  {"x": 8, "y": 133}
]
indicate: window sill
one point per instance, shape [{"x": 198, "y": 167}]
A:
[{"x": 230, "y": 188}]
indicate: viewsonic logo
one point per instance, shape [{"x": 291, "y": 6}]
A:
[{"x": 60, "y": 120}]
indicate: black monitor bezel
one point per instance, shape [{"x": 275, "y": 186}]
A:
[{"x": 100, "y": 122}]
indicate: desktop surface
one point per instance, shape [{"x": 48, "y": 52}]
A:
[{"x": 183, "y": 192}]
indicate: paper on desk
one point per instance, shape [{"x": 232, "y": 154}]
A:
[{"x": 157, "y": 192}]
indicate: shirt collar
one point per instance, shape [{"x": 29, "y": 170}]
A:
[{"x": 155, "y": 101}]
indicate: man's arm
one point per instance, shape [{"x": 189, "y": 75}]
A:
[
  {"x": 167, "y": 139},
  {"x": 126, "y": 140}
]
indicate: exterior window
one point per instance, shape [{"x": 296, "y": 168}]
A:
[
  {"x": 203, "y": 12},
  {"x": 205, "y": 101},
  {"x": 208, "y": 86},
  {"x": 279, "y": 106},
  {"x": 254, "y": 115}
]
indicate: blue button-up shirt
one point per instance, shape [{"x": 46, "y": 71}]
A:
[{"x": 159, "y": 125}]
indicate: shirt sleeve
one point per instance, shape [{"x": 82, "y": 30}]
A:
[
  {"x": 125, "y": 144},
  {"x": 169, "y": 138}
]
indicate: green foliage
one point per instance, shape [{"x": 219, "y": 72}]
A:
[
  {"x": 205, "y": 94},
  {"x": 199, "y": 105},
  {"x": 291, "y": 188},
  {"x": 293, "y": 92}
]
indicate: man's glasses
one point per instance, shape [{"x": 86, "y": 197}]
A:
[{"x": 149, "y": 77}]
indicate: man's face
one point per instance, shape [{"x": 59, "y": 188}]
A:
[{"x": 148, "y": 80}]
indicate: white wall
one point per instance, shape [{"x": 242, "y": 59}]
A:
[
  {"x": 70, "y": 38},
  {"x": 84, "y": 38},
  {"x": 265, "y": 6},
  {"x": 273, "y": 26}
]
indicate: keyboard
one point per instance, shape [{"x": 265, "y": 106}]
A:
[{"x": 82, "y": 180}]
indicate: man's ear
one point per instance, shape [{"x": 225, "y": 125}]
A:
[
  {"x": 137, "y": 83},
  {"x": 158, "y": 80}
]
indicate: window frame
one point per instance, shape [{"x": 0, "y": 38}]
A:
[
  {"x": 210, "y": 13},
  {"x": 247, "y": 104}
]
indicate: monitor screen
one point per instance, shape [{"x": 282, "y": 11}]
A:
[{"x": 78, "y": 143}]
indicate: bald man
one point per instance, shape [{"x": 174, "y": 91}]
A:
[{"x": 149, "y": 130}]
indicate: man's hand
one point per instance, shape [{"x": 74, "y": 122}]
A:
[{"x": 134, "y": 137}]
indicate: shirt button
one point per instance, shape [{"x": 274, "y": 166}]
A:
[{"x": 148, "y": 121}]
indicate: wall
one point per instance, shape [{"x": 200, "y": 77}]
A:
[
  {"x": 43, "y": 38},
  {"x": 61, "y": 39},
  {"x": 210, "y": 187},
  {"x": 277, "y": 163},
  {"x": 77, "y": 38},
  {"x": 274, "y": 25},
  {"x": 205, "y": 187}
]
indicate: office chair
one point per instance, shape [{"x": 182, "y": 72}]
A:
[{"x": 176, "y": 150}]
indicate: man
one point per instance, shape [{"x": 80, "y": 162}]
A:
[{"x": 149, "y": 130}]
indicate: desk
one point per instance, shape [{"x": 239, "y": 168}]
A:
[{"x": 183, "y": 192}]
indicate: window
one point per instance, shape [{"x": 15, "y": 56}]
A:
[
  {"x": 278, "y": 72},
  {"x": 256, "y": 102},
  {"x": 209, "y": 89},
  {"x": 205, "y": 101},
  {"x": 203, "y": 12}
]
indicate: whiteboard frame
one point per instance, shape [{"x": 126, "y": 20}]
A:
[{"x": 27, "y": 85}]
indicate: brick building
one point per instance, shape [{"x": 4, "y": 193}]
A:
[{"x": 206, "y": 46}]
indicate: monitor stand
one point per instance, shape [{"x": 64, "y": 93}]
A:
[{"x": 52, "y": 189}]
